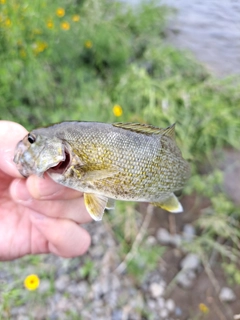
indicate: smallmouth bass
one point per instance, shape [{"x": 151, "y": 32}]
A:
[{"x": 123, "y": 161}]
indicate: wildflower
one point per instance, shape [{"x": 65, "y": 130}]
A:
[
  {"x": 22, "y": 53},
  {"x": 65, "y": 25},
  {"x": 75, "y": 18},
  {"x": 203, "y": 308},
  {"x": 2, "y": 1},
  {"x": 50, "y": 24},
  {"x": 37, "y": 31},
  {"x": 88, "y": 44},
  {"x": 39, "y": 46},
  {"x": 60, "y": 12},
  {"x": 31, "y": 282},
  {"x": 8, "y": 22},
  {"x": 117, "y": 110}
]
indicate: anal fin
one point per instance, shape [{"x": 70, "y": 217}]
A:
[
  {"x": 95, "y": 205},
  {"x": 170, "y": 204}
]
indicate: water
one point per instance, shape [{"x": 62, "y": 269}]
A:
[{"x": 210, "y": 29}]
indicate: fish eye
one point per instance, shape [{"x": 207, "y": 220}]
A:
[{"x": 31, "y": 138}]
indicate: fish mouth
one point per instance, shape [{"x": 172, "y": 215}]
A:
[{"x": 63, "y": 165}]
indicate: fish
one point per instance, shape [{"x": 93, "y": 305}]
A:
[{"x": 107, "y": 162}]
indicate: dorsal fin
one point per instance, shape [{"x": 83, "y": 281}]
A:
[
  {"x": 170, "y": 131},
  {"x": 140, "y": 128}
]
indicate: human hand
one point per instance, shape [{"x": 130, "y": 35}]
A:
[{"x": 36, "y": 215}]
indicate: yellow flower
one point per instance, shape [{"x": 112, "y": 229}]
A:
[
  {"x": 88, "y": 44},
  {"x": 39, "y": 46},
  {"x": 2, "y": 1},
  {"x": 60, "y": 12},
  {"x": 37, "y": 31},
  {"x": 22, "y": 53},
  {"x": 50, "y": 24},
  {"x": 65, "y": 25},
  {"x": 203, "y": 308},
  {"x": 31, "y": 282},
  {"x": 75, "y": 18},
  {"x": 8, "y": 22},
  {"x": 117, "y": 110}
]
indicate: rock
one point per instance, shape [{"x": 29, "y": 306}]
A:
[
  {"x": 176, "y": 240},
  {"x": 191, "y": 261},
  {"x": 157, "y": 289},
  {"x": 230, "y": 164},
  {"x": 178, "y": 312},
  {"x": 78, "y": 289},
  {"x": 151, "y": 304},
  {"x": 227, "y": 295},
  {"x": 23, "y": 317},
  {"x": 170, "y": 305},
  {"x": 62, "y": 282},
  {"x": 163, "y": 236},
  {"x": 163, "y": 313},
  {"x": 189, "y": 232},
  {"x": 151, "y": 241},
  {"x": 161, "y": 303},
  {"x": 117, "y": 314},
  {"x": 185, "y": 278},
  {"x": 97, "y": 251},
  {"x": 63, "y": 304},
  {"x": 44, "y": 286}
]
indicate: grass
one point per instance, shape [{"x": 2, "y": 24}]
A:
[{"x": 78, "y": 60}]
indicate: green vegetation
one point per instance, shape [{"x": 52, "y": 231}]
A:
[{"x": 100, "y": 60}]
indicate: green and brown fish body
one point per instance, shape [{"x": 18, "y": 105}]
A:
[{"x": 131, "y": 162}]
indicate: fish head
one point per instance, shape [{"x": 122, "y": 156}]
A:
[{"x": 36, "y": 154}]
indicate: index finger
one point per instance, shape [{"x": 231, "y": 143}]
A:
[
  {"x": 46, "y": 189},
  {"x": 10, "y": 134}
]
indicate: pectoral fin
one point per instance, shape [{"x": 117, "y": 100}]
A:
[
  {"x": 95, "y": 205},
  {"x": 170, "y": 204},
  {"x": 98, "y": 175}
]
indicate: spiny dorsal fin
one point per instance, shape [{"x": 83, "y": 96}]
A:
[
  {"x": 143, "y": 128},
  {"x": 170, "y": 131}
]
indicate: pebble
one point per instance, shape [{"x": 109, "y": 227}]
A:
[
  {"x": 191, "y": 261},
  {"x": 227, "y": 295},
  {"x": 117, "y": 314},
  {"x": 151, "y": 304},
  {"x": 185, "y": 278},
  {"x": 62, "y": 282},
  {"x": 170, "y": 305},
  {"x": 156, "y": 289},
  {"x": 151, "y": 241},
  {"x": 189, "y": 232},
  {"x": 161, "y": 303},
  {"x": 164, "y": 236},
  {"x": 44, "y": 286},
  {"x": 178, "y": 312},
  {"x": 163, "y": 313}
]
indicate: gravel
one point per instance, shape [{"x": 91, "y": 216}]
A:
[
  {"x": 100, "y": 292},
  {"x": 227, "y": 295}
]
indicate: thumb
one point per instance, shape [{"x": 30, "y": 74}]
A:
[{"x": 10, "y": 134}]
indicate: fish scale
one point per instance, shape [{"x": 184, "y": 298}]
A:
[{"x": 132, "y": 162}]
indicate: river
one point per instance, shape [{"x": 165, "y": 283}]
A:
[{"x": 210, "y": 29}]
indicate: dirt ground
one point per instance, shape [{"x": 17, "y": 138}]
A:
[{"x": 202, "y": 290}]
